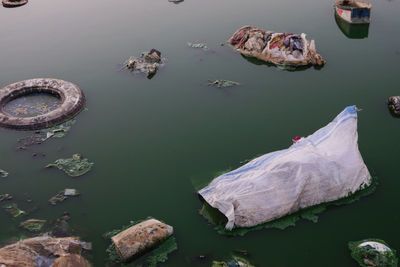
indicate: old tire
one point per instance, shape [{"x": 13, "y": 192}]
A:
[
  {"x": 72, "y": 102},
  {"x": 8, "y": 3}
]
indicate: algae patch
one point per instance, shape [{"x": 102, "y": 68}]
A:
[
  {"x": 223, "y": 83},
  {"x": 75, "y": 166}
]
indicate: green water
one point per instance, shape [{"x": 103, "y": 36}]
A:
[{"x": 151, "y": 140}]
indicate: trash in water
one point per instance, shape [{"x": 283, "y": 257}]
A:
[
  {"x": 282, "y": 49},
  {"x": 40, "y": 136},
  {"x": 394, "y": 104},
  {"x": 147, "y": 62},
  {"x": 33, "y": 225},
  {"x": 176, "y": 1},
  {"x": 223, "y": 83},
  {"x": 3, "y": 173},
  {"x": 140, "y": 236},
  {"x": 63, "y": 195},
  {"x": 234, "y": 262},
  {"x": 13, "y": 210},
  {"x": 75, "y": 166},
  {"x": 373, "y": 252},
  {"x": 306, "y": 174},
  {"x": 4, "y": 197},
  {"x": 198, "y": 45}
]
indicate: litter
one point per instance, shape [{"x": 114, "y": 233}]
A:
[
  {"x": 198, "y": 45},
  {"x": 323, "y": 167},
  {"x": 223, "y": 83},
  {"x": 63, "y": 195},
  {"x": 75, "y": 166},
  {"x": 139, "y": 237},
  {"x": 4, "y": 197},
  {"x": 282, "y": 49},
  {"x": 394, "y": 104},
  {"x": 3, "y": 173},
  {"x": 234, "y": 262},
  {"x": 13, "y": 210},
  {"x": 373, "y": 252},
  {"x": 147, "y": 62},
  {"x": 33, "y": 225}
]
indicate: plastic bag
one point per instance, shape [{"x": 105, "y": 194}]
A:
[{"x": 322, "y": 167}]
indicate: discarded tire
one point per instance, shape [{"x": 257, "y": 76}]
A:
[
  {"x": 394, "y": 104},
  {"x": 10, "y": 3},
  {"x": 72, "y": 102}
]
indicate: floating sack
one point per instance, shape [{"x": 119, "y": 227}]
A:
[
  {"x": 140, "y": 238},
  {"x": 75, "y": 166},
  {"x": 322, "y": 167},
  {"x": 394, "y": 104},
  {"x": 284, "y": 49},
  {"x": 373, "y": 252}
]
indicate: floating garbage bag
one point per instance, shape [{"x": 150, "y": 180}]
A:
[
  {"x": 373, "y": 252},
  {"x": 394, "y": 104},
  {"x": 282, "y": 49},
  {"x": 322, "y": 167}
]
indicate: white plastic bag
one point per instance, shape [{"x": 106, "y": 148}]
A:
[{"x": 322, "y": 167}]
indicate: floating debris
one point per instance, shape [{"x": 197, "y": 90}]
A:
[
  {"x": 45, "y": 251},
  {"x": 40, "y": 136},
  {"x": 75, "y": 166},
  {"x": 148, "y": 63},
  {"x": 13, "y": 210},
  {"x": 394, "y": 104},
  {"x": 373, "y": 252},
  {"x": 63, "y": 195},
  {"x": 3, "y": 173},
  {"x": 282, "y": 49},
  {"x": 198, "y": 45},
  {"x": 223, "y": 83},
  {"x": 140, "y": 236},
  {"x": 4, "y": 197},
  {"x": 33, "y": 225},
  {"x": 176, "y": 1},
  {"x": 234, "y": 262}
]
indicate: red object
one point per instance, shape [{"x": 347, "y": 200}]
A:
[{"x": 297, "y": 138}]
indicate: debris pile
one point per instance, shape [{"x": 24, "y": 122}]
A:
[
  {"x": 63, "y": 195},
  {"x": 223, "y": 83},
  {"x": 373, "y": 252},
  {"x": 75, "y": 166},
  {"x": 283, "y": 49},
  {"x": 45, "y": 251},
  {"x": 147, "y": 62}
]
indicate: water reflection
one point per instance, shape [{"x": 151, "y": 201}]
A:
[{"x": 352, "y": 31}]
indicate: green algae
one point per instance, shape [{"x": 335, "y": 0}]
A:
[
  {"x": 33, "y": 225},
  {"x": 367, "y": 255},
  {"x": 57, "y": 131},
  {"x": 234, "y": 262},
  {"x": 75, "y": 166}
]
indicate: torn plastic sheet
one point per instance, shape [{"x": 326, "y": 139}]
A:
[
  {"x": 75, "y": 166},
  {"x": 321, "y": 168}
]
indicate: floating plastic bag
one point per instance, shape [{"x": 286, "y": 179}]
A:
[{"x": 322, "y": 167}]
